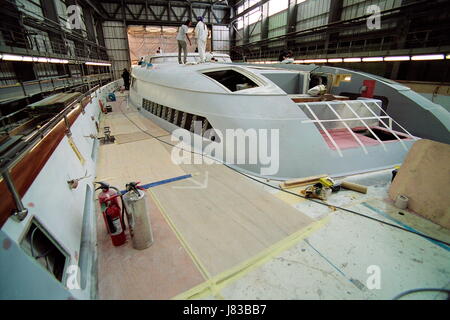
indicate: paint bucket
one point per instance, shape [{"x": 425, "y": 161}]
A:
[
  {"x": 401, "y": 202},
  {"x": 111, "y": 97}
]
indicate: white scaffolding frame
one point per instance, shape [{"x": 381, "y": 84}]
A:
[
  {"x": 363, "y": 120},
  {"x": 365, "y": 124},
  {"x": 324, "y": 129},
  {"x": 348, "y": 128}
]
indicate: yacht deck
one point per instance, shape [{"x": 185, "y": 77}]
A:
[{"x": 220, "y": 235}]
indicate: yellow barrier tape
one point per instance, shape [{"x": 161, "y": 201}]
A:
[{"x": 76, "y": 150}]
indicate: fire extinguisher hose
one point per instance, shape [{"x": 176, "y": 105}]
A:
[{"x": 123, "y": 207}]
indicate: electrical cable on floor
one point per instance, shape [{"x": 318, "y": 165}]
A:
[
  {"x": 281, "y": 189},
  {"x": 406, "y": 293}
]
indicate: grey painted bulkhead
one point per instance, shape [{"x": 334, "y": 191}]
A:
[
  {"x": 415, "y": 113},
  {"x": 23, "y": 278},
  {"x": 303, "y": 151}
]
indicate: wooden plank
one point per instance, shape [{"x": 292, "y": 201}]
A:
[
  {"x": 301, "y": 182},
  {"x": 424, "y": 178},
  {"x": 161, "y": 271},
  {"x": 57, "y": 100},
  {"x": 354, "y": 186},
  {"x": 118, "y": 125},
  {"x": 27, "y": 126},
  {"x": 306, "y": 100},
  {"x": 228, "y": 221},
  {"x": 145, "y": 160},
  {"x": 225, "y": 222},
  {"x": 131, "y": 137},
  {"x": 85, "y": 101},
  {"x": 148, "y": 125},
  {"x": 125, "y": 119}
]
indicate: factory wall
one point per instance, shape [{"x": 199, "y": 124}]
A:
[
  {"x": 277, "y": 27},
  {"x": 116, "y": 41},
  {"x": 314, "y": 13},
  {"x": 40, "y": 29},
  {"x": 358, "y": 8},
  {"x": 311, "y": 14},
  {"x": 145, "y": 40},
  {"x": 220, "y": 39}
]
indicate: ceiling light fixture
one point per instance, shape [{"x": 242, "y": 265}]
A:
[
  {"x": 428, "y": 57},
  {"x": 352, "y": 59},
  {"x": 316, "y": 61},
  {"x": 397, "y": 58},
  {"x": 100, "y": 64},
  {"x": 373, "y": 59}
]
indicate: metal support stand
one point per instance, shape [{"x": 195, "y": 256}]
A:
[{"x": 21, "y": 212}]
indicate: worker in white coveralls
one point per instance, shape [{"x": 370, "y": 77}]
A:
[{"x": 201, "y": 34}]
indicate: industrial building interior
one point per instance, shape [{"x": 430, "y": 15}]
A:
[{"x": 104, "y": 195}]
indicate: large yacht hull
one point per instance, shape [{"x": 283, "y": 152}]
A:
[{"x": 302, "y": 150}]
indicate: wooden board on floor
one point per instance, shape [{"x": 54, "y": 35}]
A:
[
  {"x": 424, "y": 178},
  {"x": 145, "y": 161},
  {"x": 161, "y": 271},
  {"x": 230, "y": 220},
  {"x": 225, "y": 218},
  {"x": 165, "y": 269},
  {"x": 131, "y": 137},
  {"x": 119, "y": 125},
  {"x": 148, "y": 125}
]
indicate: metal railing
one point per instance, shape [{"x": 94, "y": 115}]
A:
[
  {"x": 30, "y": 88},
  {"x": 15, "y": 153},
  {"x": 18, "y": 151},
  {"x": 46, "y": 37},
  {"x": 381, "y": 118}
]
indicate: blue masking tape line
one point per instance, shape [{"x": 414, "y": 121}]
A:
[
  {"x": 384, "y": 214},
  {"x": 158, "y": 183}
]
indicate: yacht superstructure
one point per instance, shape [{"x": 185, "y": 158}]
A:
[{"x": 331, "y": 133}]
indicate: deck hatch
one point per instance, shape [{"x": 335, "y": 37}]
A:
[{"x": 47, "y": 252}]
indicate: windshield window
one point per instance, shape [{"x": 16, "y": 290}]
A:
[{"x": 232, "y": 79}]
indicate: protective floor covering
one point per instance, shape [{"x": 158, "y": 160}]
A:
[
  {"x": 222, "y": 218},
  {"x": 131, "y": 137},
  {"x": 161, "y": 271},
  {"x": 225, "y": 218}
]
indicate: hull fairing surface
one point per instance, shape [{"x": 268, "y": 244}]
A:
[
  {"x": 301, "y": 148},
  {"x": 420, "y": 116}
]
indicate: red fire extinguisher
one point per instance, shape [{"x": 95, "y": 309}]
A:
[{"x": 112, "y": 212}]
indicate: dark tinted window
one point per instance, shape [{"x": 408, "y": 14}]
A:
[{"x": 231, "y": 79}]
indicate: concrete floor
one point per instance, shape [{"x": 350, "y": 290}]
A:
[{"x": 334, "y": 262}]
